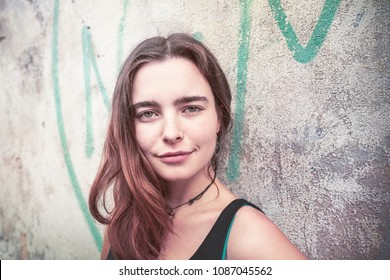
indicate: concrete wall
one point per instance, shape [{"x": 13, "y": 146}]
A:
[{"x": 311, "y": 100}]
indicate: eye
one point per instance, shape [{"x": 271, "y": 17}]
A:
[
  {"x": 192, "y": 109},
  {"x": 146, "y": 116}
]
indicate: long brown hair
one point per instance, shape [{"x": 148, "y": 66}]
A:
[{"x": 138, "y": 220}]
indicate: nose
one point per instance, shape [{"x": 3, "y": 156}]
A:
[{"x": 172, "y": 132}]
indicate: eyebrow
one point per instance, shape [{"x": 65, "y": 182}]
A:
[
  {"x": 177, "y": 102},
  {"x": 188, "y": 99},
  {"x": 145, "y": 104}
]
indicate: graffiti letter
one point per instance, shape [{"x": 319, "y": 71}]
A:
[
  {"x": 233, "y": 169},
  {"x": 300, "y": 53},
  {"x": 88, "y": 60}
]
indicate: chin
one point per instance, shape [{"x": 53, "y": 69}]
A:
[
  {"x": 178, "y": 175},
  {"x": 171, "y": 178}
]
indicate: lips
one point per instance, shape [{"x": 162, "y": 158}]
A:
[{"x": 174, "y": 157}]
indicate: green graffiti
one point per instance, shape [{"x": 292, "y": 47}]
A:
[
  {"x": 308, "y": 53},
  {"x": 89, "y": 59},
  {"x": 122, "y": 23},
  {"x": 233, "y": 168},
  {"x": 198, "y": 36},
  {"x": 61, "y": 129}
]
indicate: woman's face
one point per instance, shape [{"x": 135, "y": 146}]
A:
[{"x": 176, "y": 121}]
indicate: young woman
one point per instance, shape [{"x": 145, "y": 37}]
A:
[{"x": 170, "y": 113}]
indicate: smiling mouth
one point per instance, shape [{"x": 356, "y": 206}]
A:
[{"x": 174, "y": 158}]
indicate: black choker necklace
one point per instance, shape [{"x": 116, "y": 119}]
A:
[{"x": 192, "y": 200}]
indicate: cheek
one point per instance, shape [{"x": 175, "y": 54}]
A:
[
  {"x": 212, "y": 124},
  {"x": 144, "y": 137},
  {"x": 206, "y": 131}
]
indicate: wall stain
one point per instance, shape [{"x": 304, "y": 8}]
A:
[
  {"x": 30, "y": 64},
  {"x": 36, "y": 8},
  {"x": 355, "y": 161},
  {"x": 357, "y": 212},
  {"x": 358, "y": 19}
]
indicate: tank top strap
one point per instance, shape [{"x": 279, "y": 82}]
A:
[{"x": 214, "y": 245}]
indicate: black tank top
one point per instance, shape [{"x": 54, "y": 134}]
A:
[{"x": 214, "y": 245}]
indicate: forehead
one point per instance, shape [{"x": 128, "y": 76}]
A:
[{"x": 167, "y": 79}]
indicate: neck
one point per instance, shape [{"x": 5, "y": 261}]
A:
[{"x": 180, "y": 192}]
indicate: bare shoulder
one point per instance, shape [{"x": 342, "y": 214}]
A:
[{"x": 254, "y": 236}]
